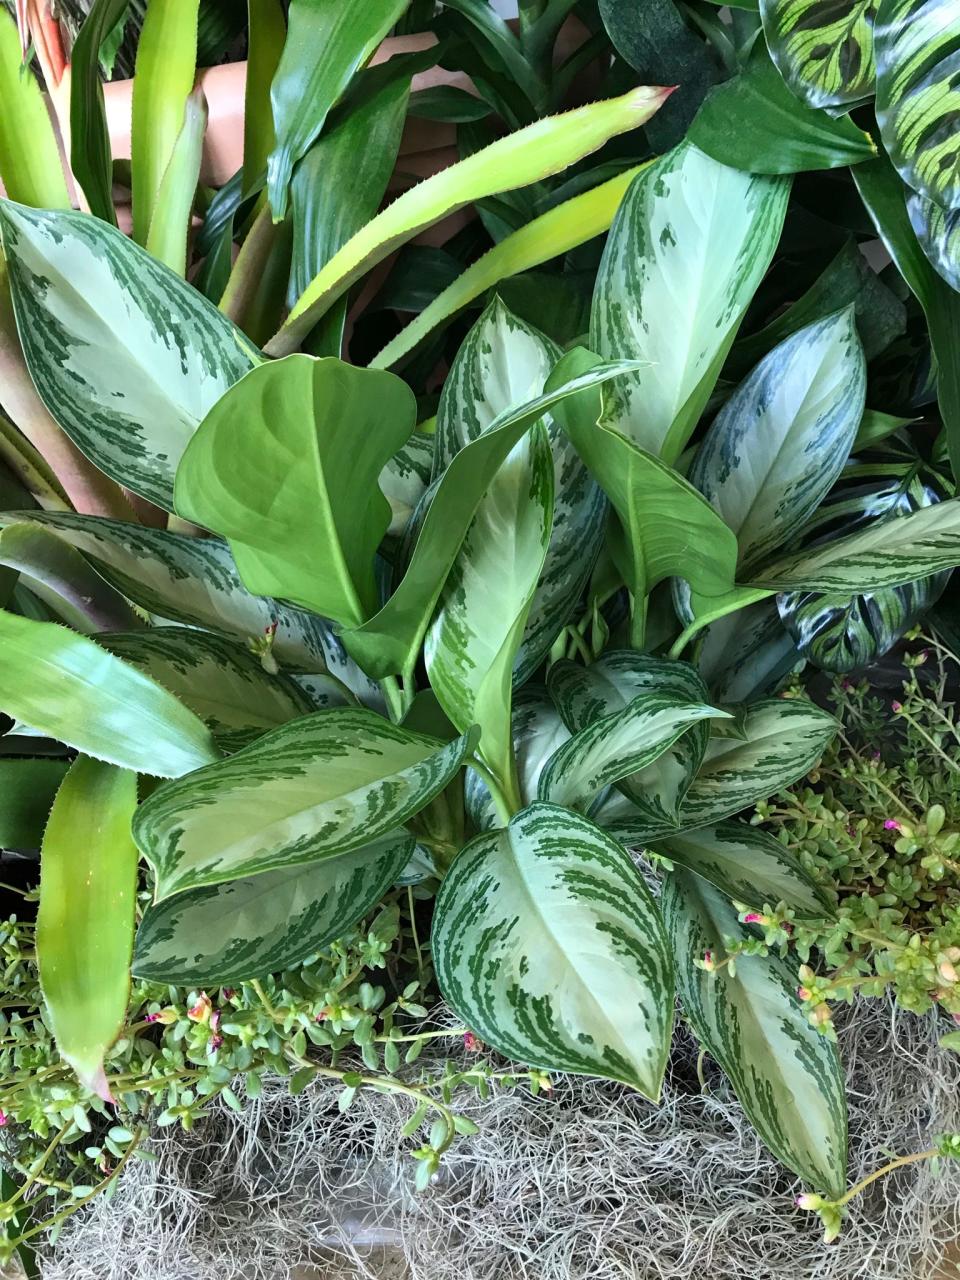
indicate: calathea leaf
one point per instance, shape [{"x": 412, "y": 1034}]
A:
[
  {"x": 285, "y": 466},
  {"x": 126, "y": 356},
  {"x": 776, "y": 447},
  {"x": 785, "y": 1074},
  {"x": 824, "y": 51},
  {"x": 316, "y": 787},
  {"x": 749, "y": 866},
  {"x": 547, "y": 942},
  {"x": 916, "y": 46},
  {"x": 938, "y": 231},
  {"x": 688, "y": 247},
  {"x": 473, "y": 641},
  {"x": 70, "y": 689},
  {"x": 246, "y": 929}
]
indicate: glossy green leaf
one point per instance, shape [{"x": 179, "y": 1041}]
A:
[
  {"x": 266, "y": 34},
  {"x": 876, "y": 426},
  {"x": 126, "y": 356},
  {"x": 317, "y": 787},
  {"x": 27, "y": 789},
  {"x": 786, "y": 1075},
  {"x": 749, "y": 866},
  {"x": 30, "y": 167},
  {"x": 755, "y": 123},
  {"x": 170, "y": 224},
  {"x": 243, "y": 929},
  {"x": 938, "y": 231},
  {"x": 90, "y": 155},
  {"x": 502, "y": 45},
  {"x": 529, "y": 155},
  {"x": 691, "y": 241},
  {"x": 548, "y": 944},
  {"x": 823, "y": 50},
  {"x": 326, "y": 43},
  {"x": 917, "y": 97},
  {"x": 285, "y": 466},
  {"x": 165, "y": 71},
  {"x": 72, "y": 690},
  {"x": 747, "y": 654},
  {"x": 86, "y": 916},
  {"x": 776, "y": 447}
]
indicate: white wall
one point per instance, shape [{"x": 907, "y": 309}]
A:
[{"x": 506, "y": 8}]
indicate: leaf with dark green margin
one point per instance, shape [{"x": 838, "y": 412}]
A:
[
  {"x": 314, "y": 788},
  {"x": 70, "y": 689},
  {"x": 548, "y": 944},
  {"x": 127, "y": 357},
  {"x": 27, "y": 788},
  {"x": 755, "y": 123},
  {"x": 243, "y": 929},
  {"x": 823, "y": 50},
  {"x": 786, "y": 1075},
  {"x": 938, "y": 231}
]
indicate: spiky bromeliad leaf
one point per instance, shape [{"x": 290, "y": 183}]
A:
[
  {"x": 248, "y": 928},
  {"x": 127, "y": 357},
  {"x": 823, "y": 50},
  {"x": 776, "y": 447},
  {"x": 688, "y": 247},
  {"x": 547, "y": 943},
  {"x": 938, "y": 231},
  {"x": 917, "y": 44},
  {"x": 316, "y": 787},
  {"x": 786, "y": 1075}
]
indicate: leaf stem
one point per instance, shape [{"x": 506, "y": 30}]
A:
[
  {"x": 881, "y": 1173},
  {"x": 502, "y": 802}
]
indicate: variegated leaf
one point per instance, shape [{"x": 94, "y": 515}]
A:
[
  {"x": 749, "y": 866},
  {"x": 547, "y": 943},
  {"x": 585, "y": 694},
  {"x": 786, "y": 1075},
  {"x": 127, "y": 357},
  {"x": 473, "y": 641},
  {"x": 938, "y": 231},
  {"x": 776, "y": 447},
  {"x": 502, "y": 363},
  {"x": 218, "y": 679},
  {"x": 405, "y": 478},
  {"x": 823, "y": 50},
  {"x": 747, "y": 654},
  {"x": 314, "y": 788},
  {"x": 917, "y": 44},
  {"x": 687, "y": 250},
  {"x": 246, "y": 929}
]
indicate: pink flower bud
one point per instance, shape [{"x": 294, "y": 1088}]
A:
[
  {"x": 472, "y": 1043},
  {"x": 896, "y": 706},
  {"x": 754, "y": 917},
  {"x": 214, "y": 1044},
  {"x": 809, "y": 1201},
  {"x": 891, "y": 824},
  {"x": 4, "y": 1119},
  {"x": 804, "y": 993},
  {"x": 228, "y": 993}
]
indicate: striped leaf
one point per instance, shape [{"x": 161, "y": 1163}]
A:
[
  {"x": 475, "y": 636},
  {"x": 69, "y": 689},
  {"x": 218, "y": 679},
  {"x": 404, "y": 480},
  {"x": 776, "y": 447},
  {"x": 786, "y": 1075},
  {"x": 314, "y": 788},
  {"x": 504, "y": 362},
  {"x": 126, "y": 356},
  {"x": 823, "y": 50},
  {"x": 917, "y": 42},
  {"x": 938, "y": 231},
  {"x": 688, "y": 247},
  {"x": 244, "y": 929},
  {"x": 747, "y": 654},
  {"x": 584, "y": 695},
  {"x": 749, "y": 866},
  {"x": 548, "y": 944}
]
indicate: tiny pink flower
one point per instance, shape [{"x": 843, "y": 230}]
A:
[
  {"x": 846, "y": 685},
  {"x": 877, "y": 757},
  {"x": 754, "y": 917},
  {"x": 804, "y": 993},
  {"x": 896, "y": 706},
  {"x": 228, "y": 993},
  {"x": 472, "y": 1043},
  {"x": 891, "y": 824},
  {"x": 324, "y": 1014},
  {"x": 4, "y": 1119},
  {"x": 214, "y": 1044},
  {"x": 271, "y": 630},
  {"x": 202, "y": 1009},
  {"x": 215, "y": 1020}
]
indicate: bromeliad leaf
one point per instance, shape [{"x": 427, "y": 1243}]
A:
[
  {"x": 70, "y": 689},
  {"x": 547, "y": 942},
  {"x": 776, "y": 447},
  {"x": 285, "y": 466},
  {"x": 823, "y": 50},
  {"x": 127, "y": 357},
  {"x": 317, "y": 787},
  {"x": 785, "y": 1074},
  {"x": 688, "y": 247},
  {"x": 249, "y": 928}
]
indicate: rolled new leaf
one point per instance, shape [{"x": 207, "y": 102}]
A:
[{"x": 30, "y": 167}]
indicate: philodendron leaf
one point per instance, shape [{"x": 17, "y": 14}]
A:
[
  {"x": 688, "y": 247},
  {"x": 824, "y": 51},
  {"x": 86, "y": 916},
  {"x": 473, "y": 641},
  {"x": 776, "y": 447},
  {"x": 317, "y": 787},
  {"x": 548, "y": 944},
  {"x": 126, "y": 356},
  {"x": 786, "y": 1075},
  {"x": 285, "y": 466},
  {"x": 504, "y": 362},
  {"x": 70, "y": 689},
  {"x": 245, "y": 929},
  {"x": 749, "y": 866},
  {"x": 916, "y": 47},
  {"x": 937, "y": 230}
]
